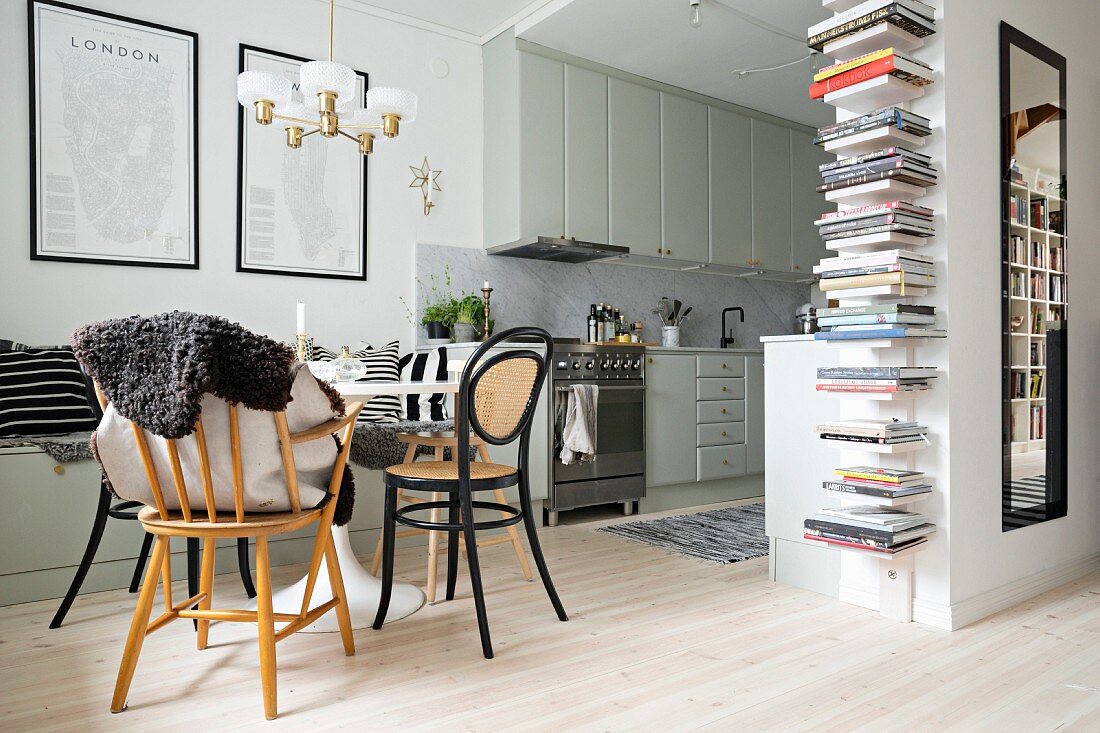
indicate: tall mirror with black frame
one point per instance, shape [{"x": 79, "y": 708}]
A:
[{"x": 1035, "y": 306}]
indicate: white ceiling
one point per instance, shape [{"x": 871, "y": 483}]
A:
[
  {"x": 652, "y": 38},
  {"x": 476, "y": 17}
]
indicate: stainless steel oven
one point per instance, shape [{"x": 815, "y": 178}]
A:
[{"x": 617, "y": 471}]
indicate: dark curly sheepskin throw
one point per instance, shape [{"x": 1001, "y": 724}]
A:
[
  {"x": 376, "y": 445},
  {"x": 155, "y": 370}
]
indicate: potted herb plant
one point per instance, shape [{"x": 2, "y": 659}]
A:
[
  {"x": 469, "y": 314},
  {"x": 437, "y": 313}
]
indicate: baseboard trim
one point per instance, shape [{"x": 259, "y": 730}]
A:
[{"x": 986, "y": 604}]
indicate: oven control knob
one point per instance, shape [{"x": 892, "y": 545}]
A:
[
  {"x": 562, "y": 365},
  {"x": 589, "y": 364},
  {"x": 605, "y": 365},
  {"x": 636, "y": 365},
  {"x": 616, "y": 365},
  {"x": 576, "y": 365}
]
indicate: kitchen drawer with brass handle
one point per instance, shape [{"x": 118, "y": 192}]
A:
[
  {"x": 720, "y": 365},
  {"x": 723, "y": 433},
  {"x": 716, "y": 388},
  {"x": 713, "y": 411},
  {"x": 720, "y": 461}
]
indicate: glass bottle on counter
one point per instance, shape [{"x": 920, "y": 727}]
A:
[{"x": 593, "y": 324}]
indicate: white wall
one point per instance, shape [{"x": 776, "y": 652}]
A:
[
  {"x": 990, "y": 568},
  {"x": 42, "y": 302}
]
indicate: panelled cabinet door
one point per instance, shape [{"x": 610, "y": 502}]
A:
[
  {"x": 771, "y": 196},
  {"x": 541, "y": 146},
  {"x": 807, "y": 248},
  {"x": 670, "y": 422},
  {"x": 634, "y": 166},
  {"x": 754, "y": 414},
  {"x": 685, "y": 207},
  {"x": 730, "y": 152},
  {"x": 586, "y": 202}
]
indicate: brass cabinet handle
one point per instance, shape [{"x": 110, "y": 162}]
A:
[
  {"x": 725, "y": 367},
  {"x": 649, "y": 360},
  {"x": 723, "y": 389},
  {"x": 723, "y": 411},
  {"x": 725, "y": 462},
  {"x": 668, "y": 251},
  {"x": 660, "y": 251},
  {"x": 723, "y": 433},
  {"x": 797, "y": 267}
]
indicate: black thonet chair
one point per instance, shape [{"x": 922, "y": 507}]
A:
[
  {"x": 128, "y": 510},
  {"x": 496, "y": 399}
]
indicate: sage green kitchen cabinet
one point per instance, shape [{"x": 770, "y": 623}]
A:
[
  {"x": 670, "y": 419},
  {"x": 771, "y": 196},
  {"x": 541, "y": 146},
  {"x": 730, "y": 175},
  {"x": 807, "y": 247},
  {"x": 586, "y": 206},
  {"x": 634, "y": 166},
  {"x": 754, "y": 414},
  {"x": 685, "y": 206}
]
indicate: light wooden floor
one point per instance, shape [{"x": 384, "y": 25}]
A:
[{"x": 656, "y": 643}]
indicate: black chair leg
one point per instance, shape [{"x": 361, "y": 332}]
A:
[
  {"x": 245, "y": 568},
  {"x": 452, "y": 553},
  {"x": 536, "y": 548},
  {"x": 193, "y": 572},
  {"x": 475, "y": 569},
  {"x": 389, "y": 532},
  {"x": 143, "y": 557},
  {"x": 98, "y": 524}
]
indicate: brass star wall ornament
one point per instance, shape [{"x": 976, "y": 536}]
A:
[{"x": 427, "y": 180}]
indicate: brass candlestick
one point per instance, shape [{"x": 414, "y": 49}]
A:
[
  {"x": 301, "y": 348},
  {"x": 485, "y": 293}
]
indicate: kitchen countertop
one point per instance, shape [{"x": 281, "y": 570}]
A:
[
  {"x": 699, "y": 349},
  {"x": 787, "y": 337}
]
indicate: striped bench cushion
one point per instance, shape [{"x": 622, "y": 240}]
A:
[
  {"x": 382, "y": 366},
  {"x": 42, "y": 393},
  {"x": 419, "y": 367}
]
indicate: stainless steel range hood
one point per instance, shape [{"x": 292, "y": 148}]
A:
[{"x": 553, "y": 249}]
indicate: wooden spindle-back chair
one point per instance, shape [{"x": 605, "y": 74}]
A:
[{"x": 210, "y": 525}]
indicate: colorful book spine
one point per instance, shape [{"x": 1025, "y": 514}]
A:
[
  {"x": 887, "y": 207},
  {"x": 892, "y": 13},
  {"x": 842, "y": 66},
  {"x": 888, "y": 333},
  {"x": 881, "y": 67}
]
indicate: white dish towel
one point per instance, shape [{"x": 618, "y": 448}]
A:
[{"x": 579, "y": 434}]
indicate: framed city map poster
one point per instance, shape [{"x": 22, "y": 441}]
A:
[
  {"x": 299, "y": 211},
  {"x": 114, "y": 140}
]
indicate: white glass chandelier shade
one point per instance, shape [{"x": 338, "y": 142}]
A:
[
  {"x": 326, "y": 76},
  {"x": 392, "y": 101},
  {"x": 253, "y": 86},
  {"x": 361, "y": 117},
  {"x": 296, "y": 108}
]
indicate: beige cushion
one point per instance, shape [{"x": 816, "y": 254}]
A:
[{"x": 264, "y": 479}]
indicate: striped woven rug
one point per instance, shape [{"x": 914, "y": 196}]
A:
[
  {"x": 1027, "y": 492},
  {"x": 721, "y": 535}
]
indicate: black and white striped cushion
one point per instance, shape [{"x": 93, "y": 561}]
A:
[
  {"x": 418, "y": 367},
  {"x": 382, "y": 366},
  {"x": 42, "y": 393}
]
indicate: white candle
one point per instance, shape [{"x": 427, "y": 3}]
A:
[
  {"x": 429, "y": 189},
  {"x": 301, "y": 317},
  {"x": 485, "y": 286}
]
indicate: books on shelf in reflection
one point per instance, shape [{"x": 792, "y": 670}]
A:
[
  {"x": 912, "y": 16},
  {"x": 884, "y": 117},
  {"x": 877, "y": 431}
]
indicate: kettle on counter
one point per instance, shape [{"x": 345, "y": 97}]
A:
[{"x": 805, "y": 319}]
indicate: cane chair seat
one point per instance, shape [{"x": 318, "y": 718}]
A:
[
  {"x": 448, "y": 470},
  {"x": 254, "y": 524}
]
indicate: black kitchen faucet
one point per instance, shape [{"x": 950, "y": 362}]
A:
[{"x": 727, "y": 336}]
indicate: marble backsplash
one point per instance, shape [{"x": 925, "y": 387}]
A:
[{"x": 556, "y": 296}]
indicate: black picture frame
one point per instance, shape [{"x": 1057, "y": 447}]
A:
[
  {"x": 243, "y": 119},
  {"x": 35, "y": 254},
  {"x": 1056, "y": 436}
]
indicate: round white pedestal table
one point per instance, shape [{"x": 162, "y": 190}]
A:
[{"x": 362, "y": 589}]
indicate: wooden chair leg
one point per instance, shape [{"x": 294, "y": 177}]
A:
[
  {"x": 376, "y": 561},
  {"x": 517, "y": 545},
  {"x": 138, "y": 625},
  {"x": 433, "y": 552},
  {"x": 206, "y": 585},
  {"x": 336, "y": 582},
  {"x": 266, "y": 623}
]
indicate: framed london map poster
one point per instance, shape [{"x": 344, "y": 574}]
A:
[
  {"x": 114, "y": 146},
  {"x": 299, "y": 211}
]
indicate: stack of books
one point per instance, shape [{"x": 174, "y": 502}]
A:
[
  {"x": 876, "y": 432},
  {"x": 903, "y": 120},
  {"x": 883, "y": 483},
  {"x": 891, "y": 163},
  {"x": 910, "y": 279},
  {"x": 893, "y": 320},
  {"x": 875, "y": 379},
  {"x": 886, "y": 61},
  {"x": 877, "y": 529},
  {"x": 912, "y": 16}
]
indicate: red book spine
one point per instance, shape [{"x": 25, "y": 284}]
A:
[
  {"x": 852, "y": 76},
  {"x": 857, "y": 545},
  {"x": 856, "y": 388}
]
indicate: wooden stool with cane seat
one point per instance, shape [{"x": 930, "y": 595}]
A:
[
  {"x": 438, "y": 442},
  {"x": 211, "y": 525}
]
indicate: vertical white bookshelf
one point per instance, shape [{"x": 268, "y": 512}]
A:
[
  {"x": 1037, "y": 257},
  {"x": 890, "y": 575}
]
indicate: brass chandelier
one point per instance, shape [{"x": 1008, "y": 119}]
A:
[{"x": 273, "y": 97}]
